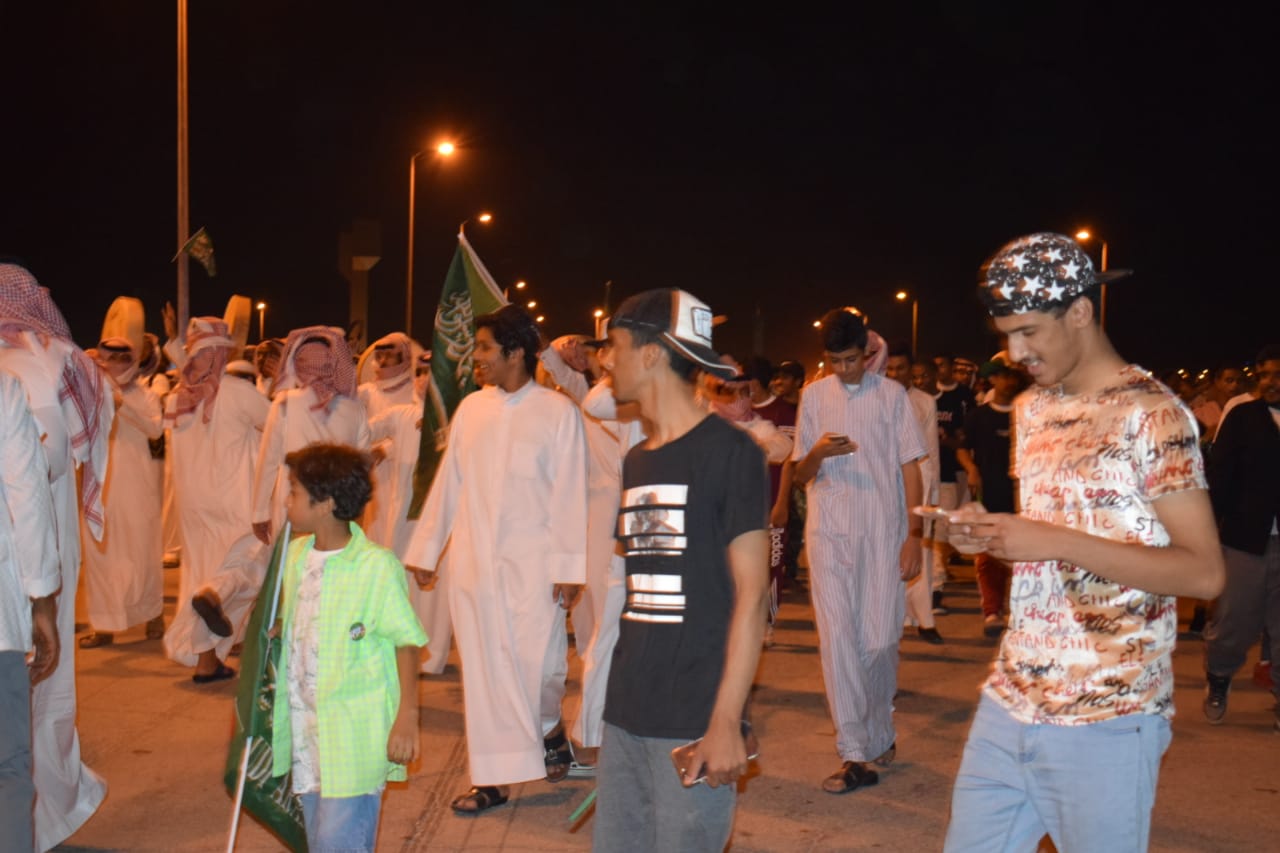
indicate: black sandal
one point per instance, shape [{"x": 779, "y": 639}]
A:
[
  {"x": 222, "y": 673},
  {"x": 851, "y": 776},
  {"x": 484, "y": 797},
  {"x": 557, "y": 755}
]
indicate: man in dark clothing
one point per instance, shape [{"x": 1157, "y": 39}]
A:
[
  {"x": 955, "y": 401},
  {"x": 984, "y": 456},
  {"x": 1244, "y": 484}
]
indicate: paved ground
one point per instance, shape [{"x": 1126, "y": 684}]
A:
[{"x": 161, "y": 742}]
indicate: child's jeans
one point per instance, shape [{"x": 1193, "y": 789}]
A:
[{"x": 337, "y": 824}]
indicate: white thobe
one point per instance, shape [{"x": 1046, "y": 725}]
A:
[
  {"x": 212, "y": 474},
  {"x": 398, "y": 431},
  {"x": 380, "y": 516},
  {"x": 123, "y": 578},
  {"x": 920, "y": 590},
  {"x": 67, "y": 791},
  {"x": 292, "y": 424},
  {"x": 510, "y": 501},
  {"x": 171, "y": 535}
]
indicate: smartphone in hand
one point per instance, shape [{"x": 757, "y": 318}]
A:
[{"x": 682, "y": 756}]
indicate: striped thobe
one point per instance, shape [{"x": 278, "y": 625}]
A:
[{"x": 854, "y": 532}]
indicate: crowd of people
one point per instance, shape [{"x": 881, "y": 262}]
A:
[{"x": 658, "y": 497}]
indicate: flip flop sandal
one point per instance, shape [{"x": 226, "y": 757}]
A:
[
  {"x": 483, "y": 798},
  {"x": 210, "y": 611},
  {"x": 222, "y": 673},
  {"x": 853, "y": 775},
  {"x": 96, "y": 640},
  {"x": 558, "y": 756}
]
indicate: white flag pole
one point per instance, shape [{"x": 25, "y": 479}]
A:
[{"x": 248, "y": 742}]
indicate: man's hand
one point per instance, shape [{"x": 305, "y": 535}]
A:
[
  {"x": 780, "y": 512},
  {"x": 566, "y": 593},
  {"x": 1004, "y": 536},
  {"x": 170, "y": 321},
  {"x": 402, "y": 743},
  {"x": 571, "y": 351},
  {"x": 834, "y": 444},
  {"x": 721, "y": 755},
  {"x": 426, "y": 578},
  {"x": 44, "y": 635},
  {"x": 909, "y": 558},
  {"x": 262, "y": 529}
]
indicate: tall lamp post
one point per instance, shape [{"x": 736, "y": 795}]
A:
[
  {"x": 1083, "y": 235},
  {"x": 262, "y": 321},
  {"x": 903, "y": 296},
  {"x": 444, "y": 149}
]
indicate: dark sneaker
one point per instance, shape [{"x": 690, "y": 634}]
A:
[
  {"x": 931, "y": 636},
  {"x": 1215, "y": 700},
  {"x": 939, "y": 609}
]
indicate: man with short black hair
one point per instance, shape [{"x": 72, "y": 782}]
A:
[
  {"x": 1114, "y": 522},
  {"x": 692, "y": 529},
  {"x": 1244, "y": 482},
  {"x": 955, "y": 400},
  {"x": 858, "y": 446},
  {"x": 509, "y": 500}
]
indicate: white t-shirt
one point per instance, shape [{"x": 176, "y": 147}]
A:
[{"x": 304, "y": 669}]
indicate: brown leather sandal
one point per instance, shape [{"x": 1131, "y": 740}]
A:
[
  {"x": 478, "y": 799},
  {"x": 851, "y": 776},
  {"x": 557, "y": 754}
]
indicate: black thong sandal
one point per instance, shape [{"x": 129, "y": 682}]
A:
[
  {"x": 222, "y": 673},
  {"x": 557, "y": 755},
  {"x": 478, "y": 799},
  {"x": 851, "y": 776}
]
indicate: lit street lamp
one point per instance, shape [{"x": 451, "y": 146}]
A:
[
  {"x": 903, "y": 296},
  {"x": 262, "y": 321},
  {"x": 444, "y": 149},
  {"x": 1083, "y": 235}
]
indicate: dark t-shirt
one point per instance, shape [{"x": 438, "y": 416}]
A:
[
  {"x": 986, "y": 436},
  {"x": 953, "y": 407},
  {"x": 682, "y": 504}
]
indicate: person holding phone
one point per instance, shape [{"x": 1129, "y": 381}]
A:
[{"x": 858, "y": 448}]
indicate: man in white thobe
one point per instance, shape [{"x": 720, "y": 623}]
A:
[
  {"x": 214, "y": 424},
  {"x": 124, "y": 584},
  {"x": 510, "y": 500},
  {"x": 67, "y": 398},
  {"x": 314, "y": 401}
]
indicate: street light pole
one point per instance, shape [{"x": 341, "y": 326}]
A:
[
  {"x": 444, "y": 149},
  {"x": 262, "y": 321},
  {"x": 903, "y": 296}
]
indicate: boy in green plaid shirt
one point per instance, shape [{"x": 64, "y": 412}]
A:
[{"x": 347, "y": 720}]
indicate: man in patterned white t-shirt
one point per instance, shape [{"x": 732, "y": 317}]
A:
[{"x": 1114, "y": 521}]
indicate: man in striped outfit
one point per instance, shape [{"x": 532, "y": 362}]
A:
[{"x": 858, "y": 448}]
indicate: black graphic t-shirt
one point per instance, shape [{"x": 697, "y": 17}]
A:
[
  {"x": 682, "y": 504},
  {"x": 953, "y": 407},
  {"x": 986, "y": 435}
]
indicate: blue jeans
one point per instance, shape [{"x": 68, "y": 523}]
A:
[
  {"x": 336, "y": 824},
  {"x": 17, "y": 790},
  {"x": 1090, "y": 787}
]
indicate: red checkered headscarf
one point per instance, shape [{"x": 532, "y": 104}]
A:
[
  {"x": 25, "y": 306},
  {"x": 208, "y": 346},
  {"x": 326, "y": 368}
]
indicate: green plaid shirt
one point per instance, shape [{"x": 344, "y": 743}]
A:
[{"x": 365, "y": 615}]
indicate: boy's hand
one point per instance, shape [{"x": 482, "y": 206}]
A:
[
  {"x": 402, "y": 744},
  {"x": 722, "y": 755}
]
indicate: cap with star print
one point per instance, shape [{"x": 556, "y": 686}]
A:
[{"x": 1036, "y": 273}]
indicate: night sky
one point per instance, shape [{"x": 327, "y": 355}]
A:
[{"x": 776, "y": 166}]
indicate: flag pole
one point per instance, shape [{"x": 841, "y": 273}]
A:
[{"x": 248, "y": 742}]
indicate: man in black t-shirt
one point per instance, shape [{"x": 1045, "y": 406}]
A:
[
  {"x": 984, "y": 455},
  {"x": 692, "y": 527},
  {"x": 955, "y": 401}
]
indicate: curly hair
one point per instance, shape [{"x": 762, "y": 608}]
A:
[{"x": 334, "y": 471}]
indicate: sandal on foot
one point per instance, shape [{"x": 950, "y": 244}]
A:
[
  {"x": 222, "y": 673},
  {"x": 155, "y": 628},
  {"x": 851, "y": 776},
  {"x": 206, "y": 605},
  {"x": 96, "y": 639},
  {"x": 557, "y": 755},
  {"x": 478, "y": 799},
  {"x": 886, "y": 758}
]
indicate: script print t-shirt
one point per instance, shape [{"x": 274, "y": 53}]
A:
[
  {"x": 1080, "y": 648},
  {"x": 682, "y": 504}
]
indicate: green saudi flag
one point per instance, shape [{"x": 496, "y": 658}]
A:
[{"x": 469, "y": 291}]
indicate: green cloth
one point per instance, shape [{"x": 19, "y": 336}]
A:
[{"x": 365, "y": 615}]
